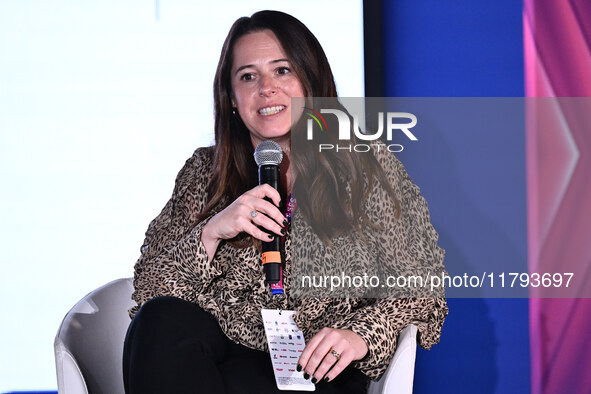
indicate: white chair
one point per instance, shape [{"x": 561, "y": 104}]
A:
[
  {"x": 89, "y": 346},
  {"x": 89, "y": 343}
]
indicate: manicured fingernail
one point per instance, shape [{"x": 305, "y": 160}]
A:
[
  {"x": 314, "y": 380},
  {"x": 326, "y": 379},
  {"x": 285, "y": 223},
  {"x": 306, "y": 376},
  {"x": 270, "y": 236},
  {"x": 283, "y": 232},
  {"x": 299, "y": 368}
]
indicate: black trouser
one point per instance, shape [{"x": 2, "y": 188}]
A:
[{"x": 174, "y": 346}]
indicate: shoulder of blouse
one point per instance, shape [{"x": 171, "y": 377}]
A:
[{"x": 197, "y": 168}]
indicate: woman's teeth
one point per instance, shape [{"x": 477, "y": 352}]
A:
[{"x": 271, "y": 110}]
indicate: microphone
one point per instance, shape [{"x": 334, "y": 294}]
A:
[{"x": 268, "y": 155}]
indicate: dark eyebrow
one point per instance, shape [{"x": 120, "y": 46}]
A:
[{"x": 252, "y": 65}]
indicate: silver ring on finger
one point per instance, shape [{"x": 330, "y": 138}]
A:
[{"x": 253, "y": 214}]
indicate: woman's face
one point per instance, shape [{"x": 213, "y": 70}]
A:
[{"x": 263, "y": 84}]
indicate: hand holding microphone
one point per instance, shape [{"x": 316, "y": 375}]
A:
[{"x": 238, "y": 217}]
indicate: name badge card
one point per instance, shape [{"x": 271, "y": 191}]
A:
[{"x": 286, "y": 344}]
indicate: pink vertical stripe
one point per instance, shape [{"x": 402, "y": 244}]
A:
[{"x": 557, "y": 37}]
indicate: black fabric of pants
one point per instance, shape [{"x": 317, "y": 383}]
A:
[{"x": 174, "y": 346}]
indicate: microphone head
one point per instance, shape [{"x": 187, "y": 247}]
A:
[{"x": 268, "y": 153}]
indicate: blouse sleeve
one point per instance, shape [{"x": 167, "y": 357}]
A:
[
  {"x": 173, "y": 259},
  {"x": 409, "y": 245}
]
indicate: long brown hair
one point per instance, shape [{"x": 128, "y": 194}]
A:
[{"x": 234, "y": 170}]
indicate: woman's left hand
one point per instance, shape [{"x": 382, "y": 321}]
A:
[{"x": 329, "y": 352}]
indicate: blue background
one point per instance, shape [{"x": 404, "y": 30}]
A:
[{"x": 475, "y": 186}]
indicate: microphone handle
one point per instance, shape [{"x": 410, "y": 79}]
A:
[{"x": 269, "y": 174}]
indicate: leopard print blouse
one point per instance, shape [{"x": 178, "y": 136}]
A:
[{"x": 232, "y": 286}]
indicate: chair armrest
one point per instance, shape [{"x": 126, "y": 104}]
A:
[
  {"x": 69, "y": 375},
  {"x": 398, "y": 378}
]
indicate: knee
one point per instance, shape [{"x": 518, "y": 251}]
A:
[
  {"x": 169, "y": 322},
  {"x": 159, "y": 316},
  {"x": 155, "y": 308}
]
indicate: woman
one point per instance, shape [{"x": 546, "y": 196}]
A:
[{"x": 199, "y": 285}]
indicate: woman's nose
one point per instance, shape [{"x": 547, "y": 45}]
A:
[{"x": 267, "y": 86}]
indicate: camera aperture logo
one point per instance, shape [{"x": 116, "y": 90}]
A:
[
  {"x": 394, "y": 121},
  {"x": 317, "y": 117}
]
